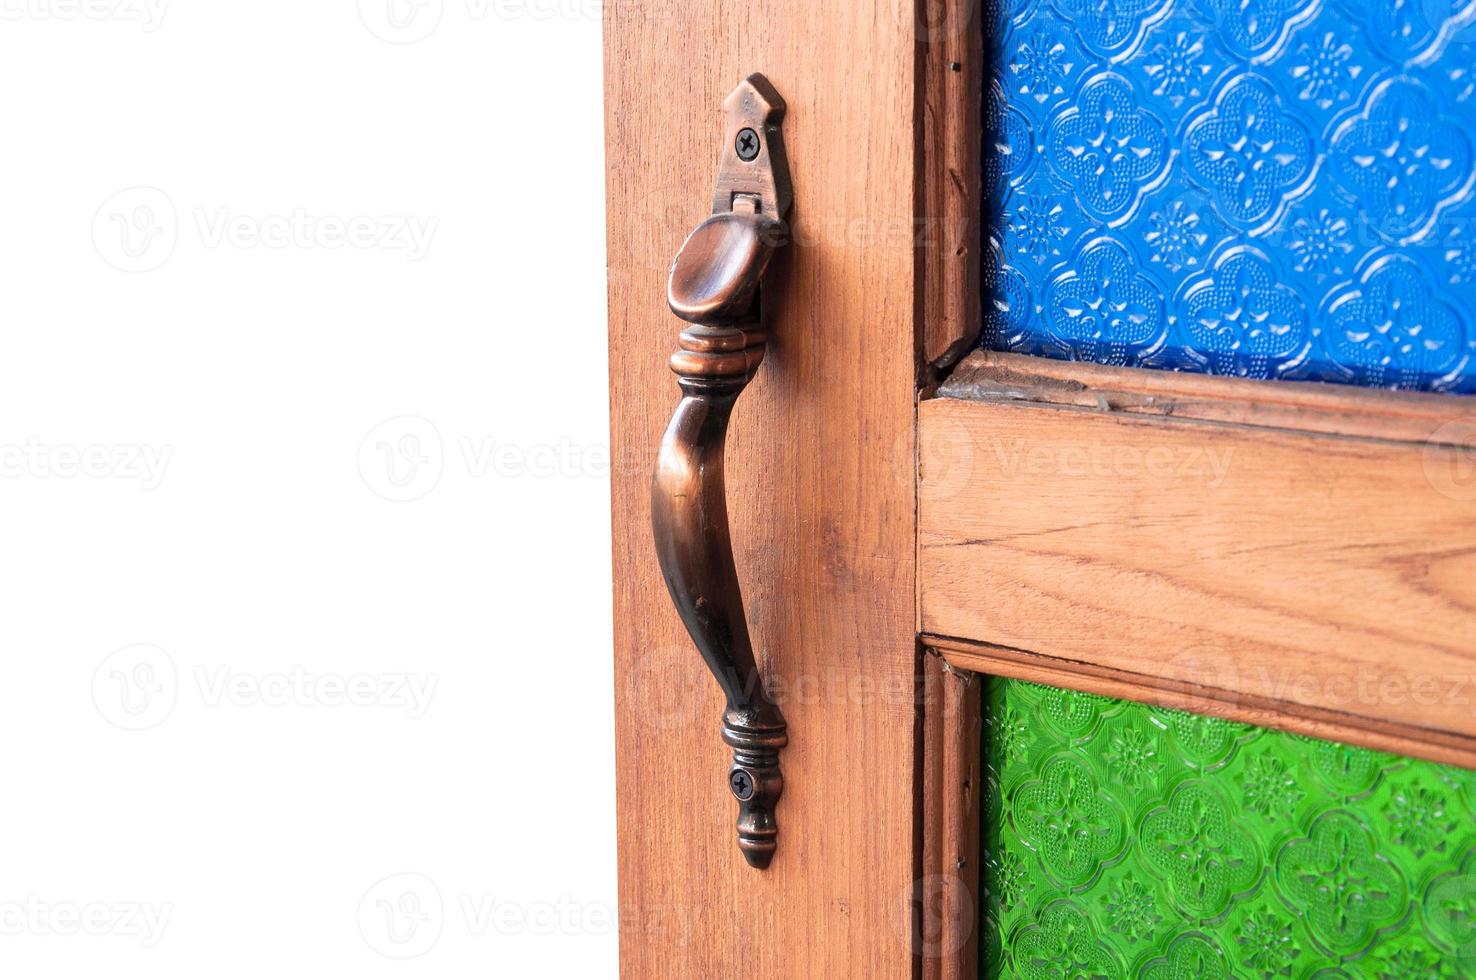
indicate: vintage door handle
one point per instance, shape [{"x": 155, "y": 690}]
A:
[{"x": 714, "y": 285}]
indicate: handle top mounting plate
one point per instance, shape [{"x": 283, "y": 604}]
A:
[{"x": 754, "y": 168}]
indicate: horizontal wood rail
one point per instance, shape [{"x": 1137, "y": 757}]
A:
[
  {"x": 1297, "y": 556},
  {"x": 1331, "y": 409},
  {"x": 1303, "y": 719}
]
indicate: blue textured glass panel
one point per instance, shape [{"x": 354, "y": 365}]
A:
[{"x": 1264, "y": 188}]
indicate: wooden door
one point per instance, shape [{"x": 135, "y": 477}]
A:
[
  {"x": 821, "y": 493},
  {"x": 905, "y": 527}
]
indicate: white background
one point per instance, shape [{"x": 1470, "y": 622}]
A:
[{"x": 248, "y": 677}]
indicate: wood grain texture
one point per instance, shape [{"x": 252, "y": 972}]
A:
[
  {"x": 1304, "y": 407},
  {"x": 1329, "y": 577},
  {"x": 947, "y": 937},
  {"x": 951, "y": 77},
  {"x": 1199, "y": 699},
  {"x": 821, "y": 495}
]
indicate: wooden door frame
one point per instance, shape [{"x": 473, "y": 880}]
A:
[{"x": 880, "y": 284}]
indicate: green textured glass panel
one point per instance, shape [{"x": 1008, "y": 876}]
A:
[{"x": 1123, "y": 840}]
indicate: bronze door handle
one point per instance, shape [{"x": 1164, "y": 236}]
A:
[{"x": 714, "y": 285}]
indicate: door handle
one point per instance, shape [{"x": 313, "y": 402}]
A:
[{"x": 714, "y": 286}]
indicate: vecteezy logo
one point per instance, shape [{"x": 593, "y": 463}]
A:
[
  {"x": 939, "y": 915},
  {"x": 669, "y": 699},
  {"x": 401, "y": 21},
  {"x": 1450, "y": 459},
  {"x": 401, "y": 459},
  {"x": 937, "y": 21},
  {"x": 136, "y": 229},
  {"x": 1209, "y": 677},
  {"x": 401, "y": 916},
  {"x": 136, "y": 687}
]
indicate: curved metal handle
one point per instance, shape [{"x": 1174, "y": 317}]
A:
[{"x": 714, "y": 284}]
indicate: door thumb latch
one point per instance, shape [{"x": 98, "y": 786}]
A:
[{"x": 714, "y": 286}]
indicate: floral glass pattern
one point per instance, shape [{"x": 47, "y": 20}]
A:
[
  {"x": 1275, "y": 189},
  {"x": 1132, "y": 841}
]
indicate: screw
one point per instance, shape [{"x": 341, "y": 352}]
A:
[
  {"x": 741, "y": 783},
  {"x": 748, "y": 144}
]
